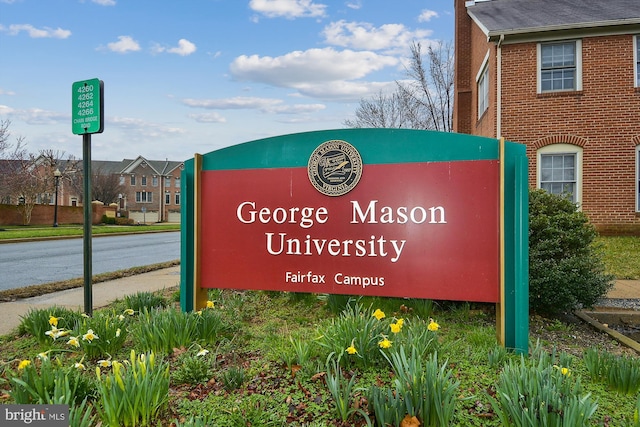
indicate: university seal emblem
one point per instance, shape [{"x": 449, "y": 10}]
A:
[{"x": 335, "y": 168}]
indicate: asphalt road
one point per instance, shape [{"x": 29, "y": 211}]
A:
[{"x": 35, "y": 263}]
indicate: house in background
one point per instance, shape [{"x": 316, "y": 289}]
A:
[
  {"x": 562, "y": 77},
  {"x": 152, "y": 189},
  {"x": 148, "y": 191}
]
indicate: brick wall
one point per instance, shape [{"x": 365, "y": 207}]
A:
[
  {"x": 43, "y": 214},
  {"x": 602, "y": 118}
]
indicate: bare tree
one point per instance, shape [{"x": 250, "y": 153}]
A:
[
  {"x": 424, "y": 101},
  {"x": 105, "y": 185},
  {"x": 11, "y": 157}
]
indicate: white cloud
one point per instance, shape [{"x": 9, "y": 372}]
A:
[
  {"x": 184, "y": 48},
  {"x": 265, "y": 105},
  {"x": 123, "y": 45},
  {"x": 6, "y": 92},
  {"x": 140, "y": 126},
  {"x": 208, "y": 118},
  {"x": 362, "y": 35},
  {"x": 34, "y": 116},
  {"x": 426, "y": 15},
  {"x": 105, "y": 2},
  {"x": 289, "y": 9},
  {"x": 304, "y": 67},
  {"x": 354, "y": 4},
  {"x": 36, "y": 33}
]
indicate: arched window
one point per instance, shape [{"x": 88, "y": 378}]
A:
[{"x": 559, "y": 170}]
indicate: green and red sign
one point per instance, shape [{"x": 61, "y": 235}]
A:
[{"x": 378, "y": 212}]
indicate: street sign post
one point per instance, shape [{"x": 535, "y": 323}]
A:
[
  {"x": 87, "y": 106},
  {"x": 87, "y": 117}
]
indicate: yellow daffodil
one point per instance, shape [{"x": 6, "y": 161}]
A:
[
  {"x": 80, "y": 365},
  {"x": 121, "y": 317},
  {"x": 53, "y": 321},
  {"x": 565, "y": 371},
  {"x": 44, "y": 355},
  {"x": 129, "y": 311},
  {"x": 104, "y": 363},
  {"x": 385, "y": 343},
  {"x": 210, "y": 304},
  {"x": 400, "y": 322},
  {"x": 23, "y": 364},
  {"x": 351, "y": 349},
  {"x": 62, "y": 333},
  {"x": 378, "y": 314},
  {"x": 74, "y": 342},
  {"x": 395, "y": 327},
  {"x": 118, "y": 331},
  {"x": 90, "y": 336},
  {"x": 199, "y": 312},
  {"x": 433, "y": 325},
  {"x": 203, "y": 352}
]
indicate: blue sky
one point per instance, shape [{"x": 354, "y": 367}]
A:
[{"x": 193, "y": 76}]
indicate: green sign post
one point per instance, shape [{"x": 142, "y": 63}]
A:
[
  {"x": 87, "y": 105},
  {"x": 87, "y": 117}
]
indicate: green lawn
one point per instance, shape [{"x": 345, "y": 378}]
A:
[
  {"x": 622, "y": 256},
  {"x": 30, "y": 232}
]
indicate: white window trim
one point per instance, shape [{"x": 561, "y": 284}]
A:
[
  {"x": 636, "y": 79},
  {"x": 578, "y": 66},
  {"x": 483, "y": 68},
  {"x": 563, "y": 149}
]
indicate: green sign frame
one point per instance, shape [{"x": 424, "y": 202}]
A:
[
  {"x": 87, "y": 106},
  {"x": 382, "y": 146}
]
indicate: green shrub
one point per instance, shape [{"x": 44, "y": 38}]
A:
[
  {"x": 566, "y": 270},
  {"x": 108, "y": 220}
]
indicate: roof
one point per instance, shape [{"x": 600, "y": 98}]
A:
[{"x": 498, "y": 17}]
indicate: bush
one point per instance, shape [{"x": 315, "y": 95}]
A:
[
  {"x": 566, "y": 269},
  {"x": 108, "y": 220}
]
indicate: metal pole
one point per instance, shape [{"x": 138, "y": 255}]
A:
[
  {"x": 88, "y": 219},
  {"x": 55, "y": 208}
]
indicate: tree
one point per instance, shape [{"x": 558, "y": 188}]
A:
[
  {"x": 105, "y": 185},
  {"x": 566, "y": 269},
  {"x": 424, "y": 101},
  {"x": 11, "y": 157}
]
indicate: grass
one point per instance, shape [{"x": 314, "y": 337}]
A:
[
  {"x": 40, "y": 232},
  {"x": 35, "y": 290},
  {"x": 254, "y": 375},
  {"x": 622, "y": 256}
]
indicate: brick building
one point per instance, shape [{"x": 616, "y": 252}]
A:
[{"x": 562, "y": 77}]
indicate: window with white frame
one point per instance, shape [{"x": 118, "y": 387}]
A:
[
  {"x": 167, "y": 198},
  {"x": 177, "y": 182},
  {"x": 121, "y": 180},
  {"x": 154, "y": 181},
  {"x": 636, "y": 59},
  {"x": 133, "y": 180},
  {"x": 167, "y": 181},
  {"x": 143, "y": 181},
  {"x": 560, "y": 66},
  {"x": 144, "y": 197},
  {"x": 482, "y": 82},
  {"x": 559, "y": 170},
  {"x": 177, "y": 198}
]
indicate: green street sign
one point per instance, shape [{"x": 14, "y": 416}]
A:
[{"x": 87, "y": 105}]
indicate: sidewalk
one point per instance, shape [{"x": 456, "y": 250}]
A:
[{"x": 103, "y": 294}]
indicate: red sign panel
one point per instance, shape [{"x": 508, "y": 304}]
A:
[{"x": 420, "y": 230}]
